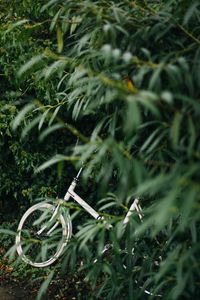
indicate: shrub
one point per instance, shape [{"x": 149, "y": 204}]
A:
[{"x": 124, "y": 76}]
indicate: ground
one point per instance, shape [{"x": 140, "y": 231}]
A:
[{"x": 23, "y": 282}]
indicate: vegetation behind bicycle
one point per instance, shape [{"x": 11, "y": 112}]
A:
[{"x": 123, "y": 76}]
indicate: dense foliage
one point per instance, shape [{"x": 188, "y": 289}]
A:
[
  {"x": 121, "y": 81},
  {"x": 20, "y": 157}
]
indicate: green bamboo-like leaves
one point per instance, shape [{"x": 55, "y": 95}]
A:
[{"x": 120, "y": 92}]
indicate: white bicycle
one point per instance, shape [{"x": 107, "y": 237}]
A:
[{"x": 45, "y": 229}]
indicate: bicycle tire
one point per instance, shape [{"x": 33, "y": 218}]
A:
[{"x": 25, "y": 238}]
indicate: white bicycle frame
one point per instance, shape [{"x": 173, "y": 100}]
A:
[{"x": 135, "y": 206}]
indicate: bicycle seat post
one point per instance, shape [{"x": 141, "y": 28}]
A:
[
  {"x": 79, "y": 173},
  {"x": 72, "y": 186}
]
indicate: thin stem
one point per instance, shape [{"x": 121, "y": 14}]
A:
[{"x": 188, "y": 33}]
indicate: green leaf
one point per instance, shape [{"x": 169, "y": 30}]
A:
[
  {"x": 133, "y": 116},
  {"x": 44, "y": 251},
  {"x": 59, "y": 39},
  {"x": 42, "y": 120},
  {"x": 55, "y": 19},
  {"x": 153, "y": 185},
  {"x": 156, "y": 142},
  {"x": 30, "y": 126},
  {"x": 54, "y": 68},
  {"x": 48, "y": 4},
  {"x": 190, "y": 12},
  {"x": 45, "y": 285},
  {"x": 188, "y": 207},
  {"x": 49, "y": 130},
  {"x": 54, "y": 115},
  {"x": 16, "y": 24},
  {"x": 155, "y": 80},
  {"x": 191, "y": 135},
  {"x": 54, "y": 160},
  {"x": 7, "y": 231},
  {"x": 148, "y": 100},
  {"x": 21, "y": 115},
  {"x": 175, "y": 129},
  {"x": 150, "y": 139},
  {"x": 165, "y": 209},
  {"x": 34, "y": 61},
  {"x": 75, "y": 22}
]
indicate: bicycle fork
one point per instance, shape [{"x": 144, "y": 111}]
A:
[{"x": 134, "y": 206}]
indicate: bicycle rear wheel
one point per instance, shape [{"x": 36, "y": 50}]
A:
[{"x": 42, "y": 235}]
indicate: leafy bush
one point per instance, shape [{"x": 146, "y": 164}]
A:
[
  {"x": 123, "y": 78},
  {"x": 19, "y": 157}
]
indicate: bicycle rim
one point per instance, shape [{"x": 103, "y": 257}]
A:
[{"x": 42, "y": 249}]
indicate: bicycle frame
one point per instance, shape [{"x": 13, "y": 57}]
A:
[{"x": 135, "y": 206}]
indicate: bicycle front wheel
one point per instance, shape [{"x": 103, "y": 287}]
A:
[{"x": 42, "y": 234}]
